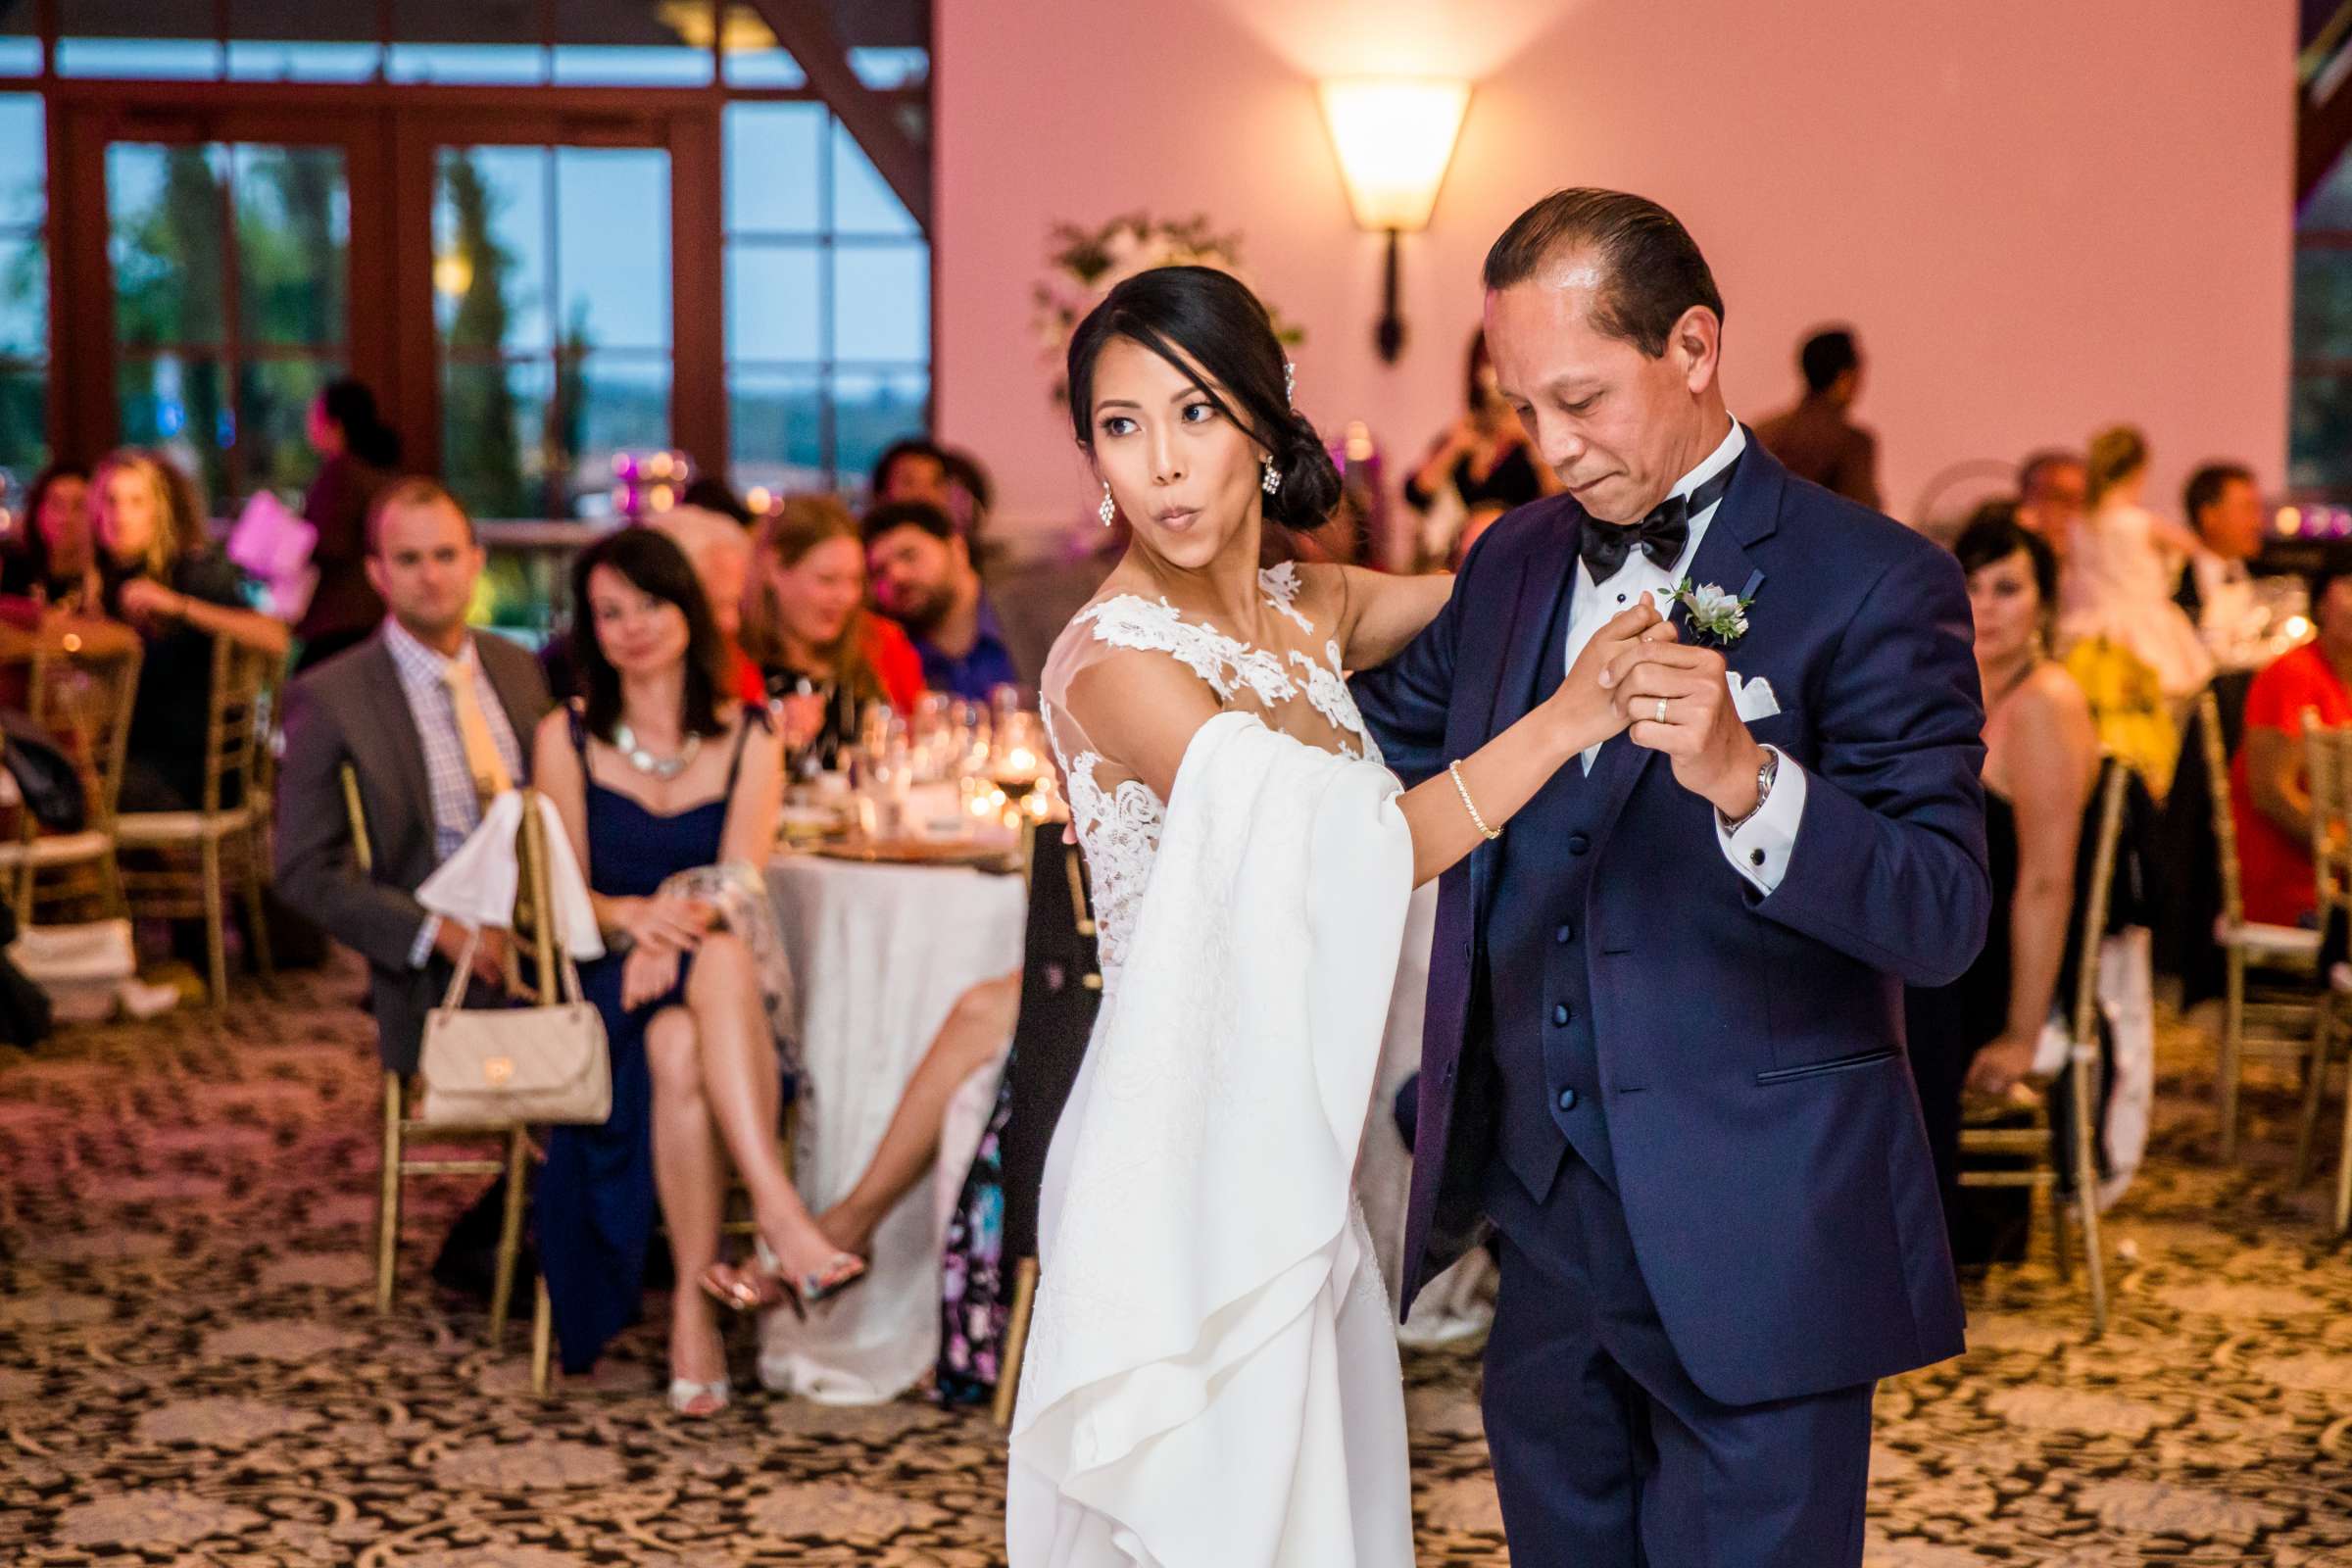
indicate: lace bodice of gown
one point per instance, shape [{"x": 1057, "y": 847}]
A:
[{"x": 1299, "y": 688}]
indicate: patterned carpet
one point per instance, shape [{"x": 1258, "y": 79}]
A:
[{"x": 191, "y": 1373}]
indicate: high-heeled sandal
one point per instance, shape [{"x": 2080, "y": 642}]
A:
[
  {"x": 685, "y": 1394},
  {"x": 841, "y": 1271}
]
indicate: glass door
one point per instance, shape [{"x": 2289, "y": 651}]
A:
[
  {"x": 207, "y": 260},
  {"x": 231, "y": 265}
]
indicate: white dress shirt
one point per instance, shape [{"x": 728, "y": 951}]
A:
[
  {"x": 1759, "y": 848},
  {"x": 457, "y": 805}
]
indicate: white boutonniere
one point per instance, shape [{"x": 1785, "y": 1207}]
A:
[{"x": 1718, "y": 616}]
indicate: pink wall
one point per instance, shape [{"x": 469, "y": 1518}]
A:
[{"x": 2039, "y": 216}]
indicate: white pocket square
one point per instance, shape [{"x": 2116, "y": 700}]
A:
[{"x": 1751, "y": 700}]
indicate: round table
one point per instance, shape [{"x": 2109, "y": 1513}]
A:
[{"x": 879, "y": 954}]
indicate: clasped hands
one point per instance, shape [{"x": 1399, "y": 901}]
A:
[
  {"x": 662, "y": 930},
  {"x": 1636, "y": 675}
]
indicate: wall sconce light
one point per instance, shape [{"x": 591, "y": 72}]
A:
[{"x": 1394, "y": 138}]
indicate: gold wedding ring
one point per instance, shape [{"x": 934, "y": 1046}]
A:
[{"x": 1661, "y": 714}]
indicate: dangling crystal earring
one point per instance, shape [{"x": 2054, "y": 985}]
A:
[
  {"x": 1273, "y": 480},
  {"x": 1107, "y": 511}
]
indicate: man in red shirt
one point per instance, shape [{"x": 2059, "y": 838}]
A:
[{"x": 2268, "y": 788}]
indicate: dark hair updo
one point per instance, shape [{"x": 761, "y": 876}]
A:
[{"x": 1209, "y": 325}]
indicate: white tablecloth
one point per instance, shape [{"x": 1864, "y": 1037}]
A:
[{"x": 880, "y": 952}]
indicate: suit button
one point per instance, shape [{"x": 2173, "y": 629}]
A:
[
  {"x": 1578, "y": 844},
  {"x": 1559, "y": 1016},
  {"x": 1567, "y": 1099},
  {"x": 1564, "y": 935}
]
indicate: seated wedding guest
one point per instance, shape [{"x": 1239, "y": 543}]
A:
[
  {"x": 1817, "y": 438},
  {"x": 358, "y": 453},
  {"x": 2051, "y": 487},
  {"x": 1483, "y": 456},
  {"x": 924, "y": 579},
  {"x": 52, "y": 558},
  {"x": 720, "y": 554},
  {"x": 2270, "y": 794},
  {"x": 915, "y": 468},
  {"x": 822, "y": 657},
  {"x": 657, "y": 768},
  {"x": 2217, "y": 590},
  {"x": 971, "y": 496},
  {"x": 160, "y": 574},
  {"x": 429, "y": 718},
  {"x": 2121, "y": 566},
  {"x": 2041, "y": 760}
]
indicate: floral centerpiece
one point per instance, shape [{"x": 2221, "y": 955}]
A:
[{"x": 1085, "y": 263}]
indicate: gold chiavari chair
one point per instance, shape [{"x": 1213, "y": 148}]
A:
[
  {"x": 2272, "y": 969},
  {"x": 2328, "y": 766},
  {"x": 401, "y": 1130},
  {"x": 2032, "y": 1145},
  {"x": 82, "y": 693},
  {"x": 184, "y": 860}
]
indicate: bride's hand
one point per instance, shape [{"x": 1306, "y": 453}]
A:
[{"x": 1586, "y": 712}]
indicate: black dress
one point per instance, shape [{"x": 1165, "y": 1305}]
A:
[
  {"x": 1948, "y": 1025},
  {"x": 163, "y": 769}
]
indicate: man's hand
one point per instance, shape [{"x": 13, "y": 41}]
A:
[
  {"x": 1678, "y": 700},
  {"x": 489, "y": 955}
]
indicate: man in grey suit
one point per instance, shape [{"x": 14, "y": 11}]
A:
[{"x": 430, "y": 717}]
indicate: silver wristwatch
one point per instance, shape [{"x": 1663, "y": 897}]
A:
[{"x": 1766, "y": 772}]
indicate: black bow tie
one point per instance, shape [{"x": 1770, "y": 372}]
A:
[{"x": 1662, "y": 535}]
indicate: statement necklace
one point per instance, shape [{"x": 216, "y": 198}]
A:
[{"x": 625, "y": 741}]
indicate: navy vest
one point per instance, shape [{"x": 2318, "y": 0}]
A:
[{"x": 1539, "y": 978}]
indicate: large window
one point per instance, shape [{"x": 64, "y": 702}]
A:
[
  {"x": 2319, "y": 420},
  {"x": 552, "y": 295},
  {"x": 229, "y": 263},
  {"x": 23, "y": 287},
  {"x": 546, "y": 231},
  {"x": 829, "y": 301}
]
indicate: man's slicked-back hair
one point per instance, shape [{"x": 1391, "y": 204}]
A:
[{"x": 1652, "y": 270}]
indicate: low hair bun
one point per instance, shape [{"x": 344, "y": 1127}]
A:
[{"x": 1310, "y": 485}]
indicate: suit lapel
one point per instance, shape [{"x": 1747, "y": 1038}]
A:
[
  {"x": 1547, "y": 576},
  {"x": 398, "y": 725}
]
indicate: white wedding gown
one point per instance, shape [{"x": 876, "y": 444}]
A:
[{"x": 1211, "y": 1376}]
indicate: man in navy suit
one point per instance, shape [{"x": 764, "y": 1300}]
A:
[{"x": 1664, "y": 1050}]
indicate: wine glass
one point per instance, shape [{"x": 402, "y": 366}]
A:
[{"x": 1017, "y": 753}]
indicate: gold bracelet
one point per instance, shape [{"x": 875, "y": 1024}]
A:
[{"x": 1470, "y": 806}]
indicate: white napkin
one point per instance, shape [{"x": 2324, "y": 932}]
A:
[{"x": 475, "y": 886}]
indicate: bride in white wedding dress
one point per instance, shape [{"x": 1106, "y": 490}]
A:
[{"x": 1211, "y": 1378}]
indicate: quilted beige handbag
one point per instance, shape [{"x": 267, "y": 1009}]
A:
[{"x": 485, "y": 1065}]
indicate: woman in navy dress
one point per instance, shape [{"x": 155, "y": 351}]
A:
[{"x": 655, "y": 769}]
